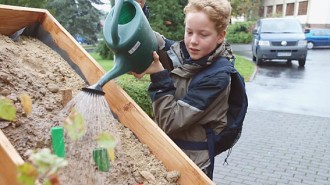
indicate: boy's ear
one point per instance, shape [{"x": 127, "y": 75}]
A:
[{"x": 221, "y": 36}]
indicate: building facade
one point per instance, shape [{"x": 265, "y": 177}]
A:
[{"x": 311, "y": 13}]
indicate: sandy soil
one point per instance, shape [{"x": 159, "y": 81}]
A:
[{"x": 29, "y": 66}]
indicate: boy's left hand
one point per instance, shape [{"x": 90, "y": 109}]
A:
[{"x": 155, "y": 67}]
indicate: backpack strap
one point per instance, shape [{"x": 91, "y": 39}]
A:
[
  {"x": 202, "y": 145},
  {"x": 211, "y": 149}
]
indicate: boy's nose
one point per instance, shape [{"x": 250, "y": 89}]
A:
[{"x": 194, "y": 39}]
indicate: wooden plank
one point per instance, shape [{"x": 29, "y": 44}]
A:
[
  {"x": 66, "y": 96},
  {"x": 14, "y": 18},
  {"x": 129, "y": 113},
  {"x": 9, "y": 159}
]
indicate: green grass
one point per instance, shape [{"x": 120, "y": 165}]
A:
[
  {"x": 244, "y": 66},
  {"x": 105, "y": 63},
  {"x": 88, "y": 47}
]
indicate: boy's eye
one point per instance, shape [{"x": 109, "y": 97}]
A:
[{"x": 204, "y": 34}]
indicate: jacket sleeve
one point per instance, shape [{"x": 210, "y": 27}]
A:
[{"x": 175, "y": 115}]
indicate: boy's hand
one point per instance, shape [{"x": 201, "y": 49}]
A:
[{"x": 155, "y": 67}]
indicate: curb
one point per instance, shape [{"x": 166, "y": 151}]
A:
[
  {"x": 254, "y": 72},
  {"x": 255, "y": 69}
]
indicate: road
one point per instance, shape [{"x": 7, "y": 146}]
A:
[
  {"x": 285, "y": 137},
  {"x": 289, "y": 88}
]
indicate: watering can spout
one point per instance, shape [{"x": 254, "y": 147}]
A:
[
  {"x": 116, "y": 71},
  {"x": 94, "y": 89}
]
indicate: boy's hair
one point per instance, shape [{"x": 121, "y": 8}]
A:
[{"x": 218, "y": 11}]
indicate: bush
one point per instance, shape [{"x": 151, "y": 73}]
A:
[
  {"x": 240, "y": 32},
  {"x": 137, "y": 89},
  {"x": 104, "y": 51}
]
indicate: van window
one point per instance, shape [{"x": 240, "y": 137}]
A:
[{"x": 281, "y": 26}]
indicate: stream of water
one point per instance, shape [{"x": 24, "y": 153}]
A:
[{"x": 98, "y": 119}]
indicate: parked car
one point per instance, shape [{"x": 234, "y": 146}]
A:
[
  {"x": 279, "y": 38},
  {"x": 82, "y": 40},
  {"x": 317, "y": 38}
]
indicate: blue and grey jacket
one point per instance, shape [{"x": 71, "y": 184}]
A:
[{"x": 182, "y": 108}]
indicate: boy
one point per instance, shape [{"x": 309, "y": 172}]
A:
[{"x": 184, "y": 107}]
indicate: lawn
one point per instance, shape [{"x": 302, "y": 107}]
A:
[
  {"x": 244, "y": 66},
  {"x": 106, "y": 64}
]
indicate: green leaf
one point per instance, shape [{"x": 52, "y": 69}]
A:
[
  {"x": 46, "y": 162},
  {"x": 106, "y": 140},
  {"x": 47, "y": 182},
  {"x": 75, "y": 125},
  {"x": 27, "y": 174},
  {"x": 7, "y": 109}
]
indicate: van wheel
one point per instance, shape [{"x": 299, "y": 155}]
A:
[
  {"x": 258, "y": 61},
  {"x": 289, "y": 62},
  {"x": 310, "y": 45},
  {"x": 302, "y": 62}
]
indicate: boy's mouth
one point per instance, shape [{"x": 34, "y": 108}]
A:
[{"x": 194, "y": 50}]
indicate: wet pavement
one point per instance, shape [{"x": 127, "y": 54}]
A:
[
  {"x": 286, "y": 133},
  {"x": 278, "y": 148},
  {"x": 288, "y": 88}
]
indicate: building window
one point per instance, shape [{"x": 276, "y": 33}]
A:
[
  {"x": 279, "y": 9},
  {"x": 289, "y": 9},
  {"x": 269, "y": 11},
  {"x": 302, "y": 10},
  {"x": 261, "y": 11}
]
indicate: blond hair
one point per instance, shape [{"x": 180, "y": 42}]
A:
[{"x": 218, "y": 11}]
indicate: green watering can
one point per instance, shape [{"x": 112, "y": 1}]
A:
[{"x": 128, "y": 34}]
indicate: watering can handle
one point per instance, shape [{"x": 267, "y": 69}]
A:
[{"x": 114, "y": 22}]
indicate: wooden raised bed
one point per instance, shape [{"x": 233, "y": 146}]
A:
[{"x": 14, "y": 18}]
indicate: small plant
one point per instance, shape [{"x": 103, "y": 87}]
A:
[
  {"x": 26, "y": 103},
  {"x": 106, "y": 140},
  {"x": 43, "y": 167},
  {"x": 7, "y": 109},
  {"x": 75, "y": 125}
]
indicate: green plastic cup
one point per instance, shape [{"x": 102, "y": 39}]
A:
[
  {"x": 58, "y": 145},
  {"x": 101, "y": 159}
]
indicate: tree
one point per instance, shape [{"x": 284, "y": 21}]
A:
[
  {"x": 25, "y": 3},
  {"x": 166, "y": 17},
  {"x": 79, "y": 17},
  {"x": 247, "y": 8}
]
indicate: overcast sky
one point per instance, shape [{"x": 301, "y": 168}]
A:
[{"x": 106, "y": 7}]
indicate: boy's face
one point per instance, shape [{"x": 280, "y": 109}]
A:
[{"x": 200, "y": 36}]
